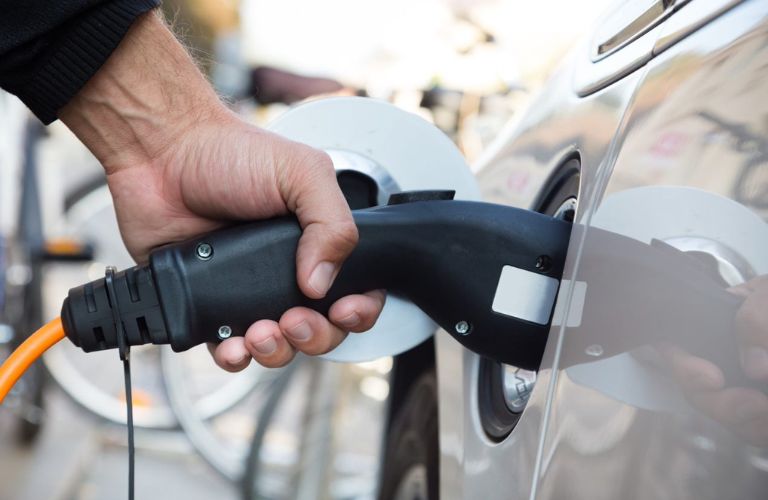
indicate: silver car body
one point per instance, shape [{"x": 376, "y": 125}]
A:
[{"x": 682, "y": 104}]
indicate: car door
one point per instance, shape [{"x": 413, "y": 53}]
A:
[
  {"x": 492, "y": 416},
  {"x": 665, "y": 409},
  {"x": 575, "y": 438}
]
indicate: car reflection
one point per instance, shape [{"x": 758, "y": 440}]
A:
[{"x": 678, "y": 304}]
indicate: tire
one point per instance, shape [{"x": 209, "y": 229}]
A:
[
  {"x": 31, "y": 416},
  {"x": 31, "y": 424},
  {"x": 28, "y": 393},
  {"x": 411, "y": 462},
  {"x": 249, "y": 483},
  {"x": 29, "y": 238}
]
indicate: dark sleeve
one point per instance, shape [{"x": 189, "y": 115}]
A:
[{"x": 49, "y": 49}]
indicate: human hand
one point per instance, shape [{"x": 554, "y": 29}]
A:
[
  {"x": 742, "y": 409},
  {"x": 180, "y": 164}
]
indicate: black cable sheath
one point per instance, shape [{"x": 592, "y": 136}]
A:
[
  {"x": 124, "y": 350},
  {"x": 131, "y": 444}
]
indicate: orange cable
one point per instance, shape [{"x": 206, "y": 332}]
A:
[{"x": 26, "y": 354}]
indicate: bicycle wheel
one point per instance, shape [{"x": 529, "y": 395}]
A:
[
  {"x": 214, "y": 407},
  {"x": 20, "y": 315},
  {"x": 24, "y": 287},
  {"x": 320, "y": 434},
  {"x": 95, "y": 380}
]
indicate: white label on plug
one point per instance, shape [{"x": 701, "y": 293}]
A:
[{"x": 525, "y": 295}]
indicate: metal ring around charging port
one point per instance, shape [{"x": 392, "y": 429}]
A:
[{"x": 349, "y": 161}]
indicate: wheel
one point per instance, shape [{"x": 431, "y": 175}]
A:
[
  {"x": 411, "y": 460},
  {"x": 214, "y": 408},
  {"x": 22, "y": 312},
  {"x": 26, "y": 288},
  {"x": 250, "y": 482},
  {"x": 32, "y": 413},
  {"x": 302, "y": 405},
  {"x": 26, "y": 404},
  {"x": 319, "y": 432},
  {"x": 95, "y": 380},
  {"x": 31, "y": 410}
]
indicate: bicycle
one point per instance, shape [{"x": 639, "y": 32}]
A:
[
  {"x": 23, "y": 256},
  {"x": 162, "y": 381}
]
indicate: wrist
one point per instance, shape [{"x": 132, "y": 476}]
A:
[{"x": 147, "y": 95}]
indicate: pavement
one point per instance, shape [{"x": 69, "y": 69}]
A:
[
  {"x": 324, "y": 443},
  {"x": 79, "y": 457}
]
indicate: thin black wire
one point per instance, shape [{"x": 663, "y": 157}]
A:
[
  {"x": 124, "y": 350},
  {"x": 131, "y": 445}
]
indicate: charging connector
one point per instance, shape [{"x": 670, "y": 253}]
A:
[{"x": 450, "y": 258}]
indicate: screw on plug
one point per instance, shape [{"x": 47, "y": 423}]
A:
[
  {"x": 225, "y": 332},
  {"x": 204, "y": 251},
  {"x": 463, "y": 328},
  {"x": 543, "y": 263}
]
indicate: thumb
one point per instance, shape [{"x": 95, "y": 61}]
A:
[{"x": 310, "y": 190}]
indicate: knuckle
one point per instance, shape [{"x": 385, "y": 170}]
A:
[
  {"x": 275, "y": 361},
  {"x": 315, "y": 349},
  {"x": 322, "y": 161},
  {"x": 304, "y": 167},
  {"x": 323, "y": 345},
  {"x": 380, "y": 296},
  {"x": 367, "y": 323},
  {"x": 231, "y": 368},
  {"x": 313, "y": 163},
  {"x": 346, "y": 235}
]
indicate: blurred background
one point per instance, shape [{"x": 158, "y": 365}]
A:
[{"x": 312, "y": 430}]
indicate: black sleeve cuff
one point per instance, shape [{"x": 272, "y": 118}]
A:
[{"x": 73, "y": 58}]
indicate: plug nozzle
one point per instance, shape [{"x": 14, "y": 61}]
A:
[{"x": 88, "y": 319}]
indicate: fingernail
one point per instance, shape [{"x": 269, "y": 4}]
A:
[
  {"x": 300, "y": 332},
  {"x": 266, "y": 346},
  {"x": 350, "y": 321},
  {"x": 756, "y": 362},
  {"x": 239, "y": 363},
  {"x": 321, "y": 278}
]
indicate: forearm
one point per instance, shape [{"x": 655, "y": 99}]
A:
[
  {"x": 49, "y": 49},
  {"x": 143, "y": 99}
]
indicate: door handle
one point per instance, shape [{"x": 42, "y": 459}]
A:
[{"x": 629, "y": 21}]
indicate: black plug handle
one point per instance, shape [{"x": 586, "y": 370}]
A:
[{"x": 445, "y": 256}]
